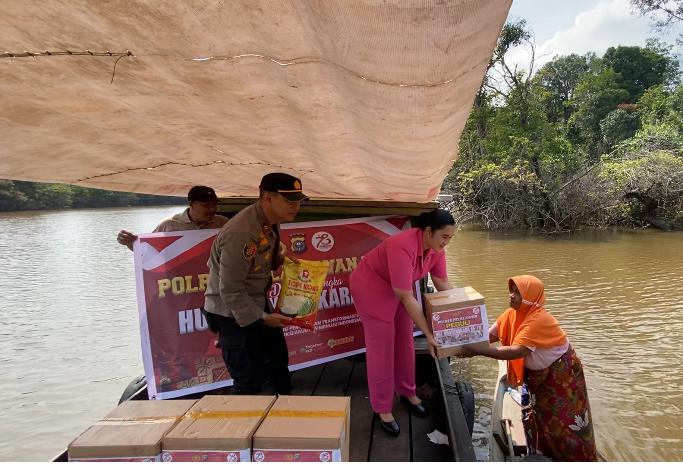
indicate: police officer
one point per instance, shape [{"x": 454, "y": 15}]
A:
[
  {"x": 242, "y": 257},
  {"x": 199, "y": 214}
]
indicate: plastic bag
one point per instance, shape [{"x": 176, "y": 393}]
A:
[{"x": 302, "y": 286}]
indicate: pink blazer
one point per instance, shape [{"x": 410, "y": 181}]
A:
[{"x": 397, "y": 262}]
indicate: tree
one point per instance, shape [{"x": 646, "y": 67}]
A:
[
  {"x": 500, "y": 77},
  {"x": 637, "y": 68},
  {"x": 619, "y": 125},
  {"x": 587, "y": 141},
  {"x": 20, "y": 195},
  {"x": 659, "y": 107},
  {"x": 559, "y": 78},
  {"x": 595, "y": 96}
]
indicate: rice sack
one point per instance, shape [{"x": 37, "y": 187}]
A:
[{"x": 302, "y": 285}]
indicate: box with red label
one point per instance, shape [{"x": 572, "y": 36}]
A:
[
  {"x": 217, "y": 428},
  {"x": 304, "y": 428},
  {"x": 458, "y": 317},
  {"x": 131, "y": 432}
]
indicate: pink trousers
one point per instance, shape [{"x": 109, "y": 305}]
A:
[{"x": 390, "y": 359}]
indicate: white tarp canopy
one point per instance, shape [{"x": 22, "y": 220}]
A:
[{"x": 362, "y": 99}]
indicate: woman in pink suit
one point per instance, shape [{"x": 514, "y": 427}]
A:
[{"x": 383, "y": 289}]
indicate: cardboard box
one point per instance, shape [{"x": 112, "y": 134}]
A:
[
  {"x": 458, "y": 317},
  {"x": 217, "y": 428},
  {"x": 131, "y": 432},
  {"x": 305, "y": 428}
]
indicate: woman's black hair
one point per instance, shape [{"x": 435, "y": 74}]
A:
[{"x": 435, "y": 219}]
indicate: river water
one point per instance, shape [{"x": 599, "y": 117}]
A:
[
  {"x": 69, "y": 341},
  {"x": 619, "y": 298}
]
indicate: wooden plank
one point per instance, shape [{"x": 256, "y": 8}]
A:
[
  {"x": 458, "y": 433},
  {"x": 305, "y": 380},
  {"x": 338, "y": 207},
  {"x": 334, "y": 378},
  {"x": 361, "y": 413},
  {"x": 384, "y": 447},
  {"x": 337, "y": 202},
  {"x": 513, "y": 412}
]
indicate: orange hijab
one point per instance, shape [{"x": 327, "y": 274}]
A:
[{"x": 530, "y": 325}]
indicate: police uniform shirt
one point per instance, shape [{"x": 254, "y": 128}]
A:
[
  {"x": 240, "y": 267},
  {"x": 181, "y": 221}
]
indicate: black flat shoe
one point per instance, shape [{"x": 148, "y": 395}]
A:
[
  {"x": 391, "y": 427},
  {"x": 420, "y": 410}
]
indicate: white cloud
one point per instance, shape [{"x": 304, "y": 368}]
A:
[{"x": 609, "y": 23}]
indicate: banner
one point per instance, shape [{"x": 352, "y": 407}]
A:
[{"x": 179, "y": 352}]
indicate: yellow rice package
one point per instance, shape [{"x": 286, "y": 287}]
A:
[{"x": 302, "y": 285}]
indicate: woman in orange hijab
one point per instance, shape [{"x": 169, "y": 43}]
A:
[{"x": 557, "y": 420}]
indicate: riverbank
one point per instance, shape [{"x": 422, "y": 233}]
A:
[
  {"x": 478, "y": 226},
  {"x": 35, "y": 196}
]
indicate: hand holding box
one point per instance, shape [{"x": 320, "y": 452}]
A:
[{"x": 458, "y": 317}]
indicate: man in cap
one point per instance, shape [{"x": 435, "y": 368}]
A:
[
  {"x": 200, "y": 214},
  {"x": 243, "y": 256}
]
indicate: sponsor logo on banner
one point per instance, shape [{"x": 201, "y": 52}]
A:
[
  {"x": 322, "y": 241},
  {"x": 298, "y": 243}
]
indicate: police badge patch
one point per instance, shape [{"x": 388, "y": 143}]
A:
[
  {"x": 249, "y": 251},
  {"x": 298, "y": 243}
]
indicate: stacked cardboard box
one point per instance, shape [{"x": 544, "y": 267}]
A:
[
  {"x": 217, "y": 428},
  {"x": 131, "y": 432},
  {"x": 305, "y": 428},
  {"x": 458, "y": 317}
]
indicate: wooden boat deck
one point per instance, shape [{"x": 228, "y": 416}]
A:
[{"x": 347, "y": 377}]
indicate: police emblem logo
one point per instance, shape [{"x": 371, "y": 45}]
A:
[
  {"x": 249, "y": 251},
  {"x": 298, "y": 243},
  {"x": 297, "y": 185}
]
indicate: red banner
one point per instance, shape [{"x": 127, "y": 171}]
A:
[{"x": 178, "y": 350}]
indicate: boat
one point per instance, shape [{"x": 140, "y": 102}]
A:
[
  {"x": 346, "y": 377},
  {"x": 364, "y": 101},
  {"x": 450, "y": 402},
  {"x": 508, "y": 442}
]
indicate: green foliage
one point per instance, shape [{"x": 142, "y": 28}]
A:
[
  {"x": 659, "y": 107},
  {"x": 651, "y": 138},
  {"x": 618, "y": 125},
  {"x": 652, "y": 185},
  {"x": 496, "y": 196},
  {"x": 19, "y": 195},
  {"x": 513, "y": 34},
  {"x": 557, "y": 80},
  {"x": 594, "y": 97},
  {"x": 637, "y": 68},
  {"x": 587, "y": 141}
]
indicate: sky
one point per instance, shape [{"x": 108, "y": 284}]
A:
[{"x": 562, "y": 27}]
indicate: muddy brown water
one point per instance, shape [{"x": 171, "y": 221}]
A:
[{"x": 619, "y": 298}]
